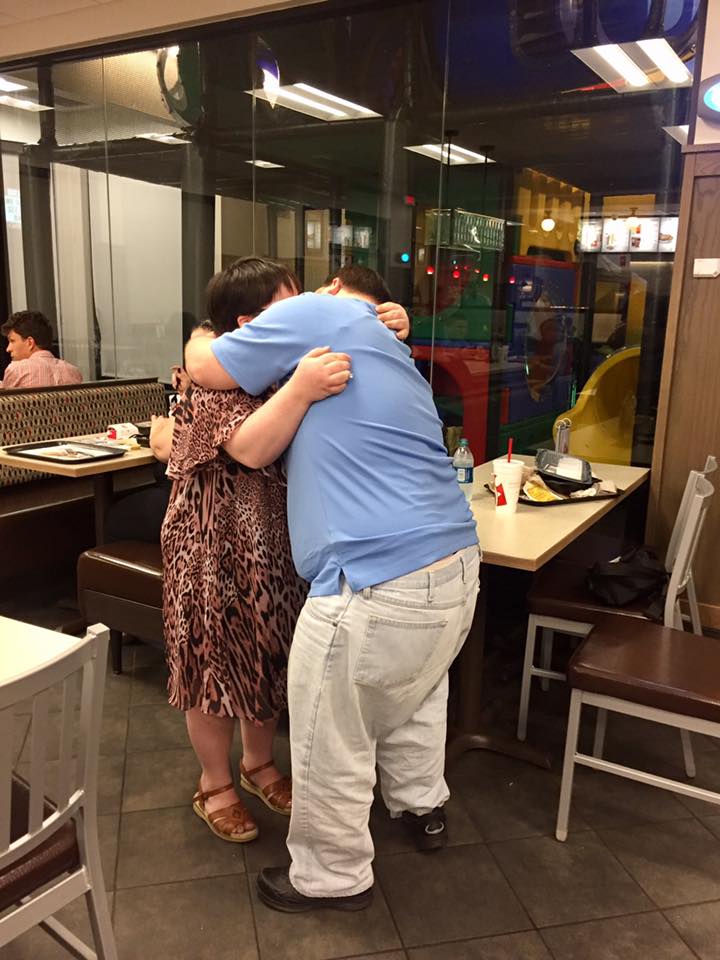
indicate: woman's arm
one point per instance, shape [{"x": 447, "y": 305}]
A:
[
  {"x": 161, "y": 434},
  {"x": 265, "y": 434}
]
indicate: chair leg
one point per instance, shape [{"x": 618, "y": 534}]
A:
[
  {"x": 600, "y": 728},
  {"x": 526, "y": 678},
  {"x": 573, "y": 729},
  {"x": 548, "y": 636},
  {"x": 96, "y": 897},
  {"x": 694, "y": 607},
  {"x": 688, "y": 755},
  {"x": 116, "y": 642}
]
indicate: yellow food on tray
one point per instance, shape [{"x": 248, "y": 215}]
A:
[{"x": 535, "y": 489}]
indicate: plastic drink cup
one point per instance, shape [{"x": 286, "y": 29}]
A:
[{"x": 508, "y": 481}]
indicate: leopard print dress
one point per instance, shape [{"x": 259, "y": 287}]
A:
[{"x": 231, "y": 593}]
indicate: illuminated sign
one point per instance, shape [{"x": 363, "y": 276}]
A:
[{"x": 709, "y": 99}]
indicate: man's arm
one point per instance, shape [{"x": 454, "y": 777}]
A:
[
  {"x": 266, "y": 434},
  {"x": 202, "y": 365}
]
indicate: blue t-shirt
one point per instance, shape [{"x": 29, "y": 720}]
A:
[{"x": 372, "y": 494}]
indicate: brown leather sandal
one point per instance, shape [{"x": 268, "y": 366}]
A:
[
  {"x": 276, "y": 795},
  {"x": 229, "y": 823}
]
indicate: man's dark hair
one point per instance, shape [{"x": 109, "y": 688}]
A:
[
  {"x": 362, "y": 280},
  {"x": 30, "y": 323},
  {"x": 244, "y": 288}
]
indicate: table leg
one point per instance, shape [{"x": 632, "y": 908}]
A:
[
  {"x": 469, "y": 731},
  {"x": 103, "y": 483}
]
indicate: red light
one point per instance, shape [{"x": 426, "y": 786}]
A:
[
  {"x": 511, "y": 279},
  {"x": 430, "y": 270},
  {"x": 467, "y": 268},
  {"x": 456, "y": 274},
  {"x": 477, "y": 271},
  {"x": 486, "y": 277},
  {"x": 409, "y": 200}
]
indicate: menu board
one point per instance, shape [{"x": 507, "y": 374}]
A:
[
  {"x": 616, "y": 235},
  {"x": 644, "y": 234},
  {"x": 668, "y": 234},
  {"x": 590, "y": 236},
  {"x": 628, "y": 235}
]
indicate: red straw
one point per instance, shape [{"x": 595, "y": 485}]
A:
[{"x": 510, "y": 443}]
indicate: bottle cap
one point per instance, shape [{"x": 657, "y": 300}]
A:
[{"x": 464, "y": 442}]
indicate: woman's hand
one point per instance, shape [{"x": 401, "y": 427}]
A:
[
  {"x": 161, "y": 433},
  {"x": 320, "y": 374},
  {"x": 395, "y": 318}
]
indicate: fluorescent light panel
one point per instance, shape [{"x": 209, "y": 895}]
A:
[
  {"x": 632, "y": 67},
  {"x": 455, "y": 156},
  {"x": 10, "y": 86},
  {"x": 666, "y": 60},
  {"x": 315, "y": 103},
  {"x": 266, "y": 164},
  {"x": 19, "y": 104}
]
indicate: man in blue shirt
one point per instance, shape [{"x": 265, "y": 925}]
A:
[{"x": 381, "y": 530}]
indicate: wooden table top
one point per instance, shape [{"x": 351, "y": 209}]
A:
[
  {"x": 25, "y": 648},
  {"x": 132, "y": 458},
  {"x": 529, "y": 538}
]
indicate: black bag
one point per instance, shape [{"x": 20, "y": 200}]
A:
[{"x": 636, "y": 575}]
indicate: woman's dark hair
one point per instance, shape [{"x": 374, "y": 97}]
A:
[
  {"x": 30, "y": 323},
  {"x": 244, "y": 288},
  {"x": 362, "y": 280}
]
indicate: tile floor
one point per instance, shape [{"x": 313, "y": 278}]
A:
[{"x": 639, "y": 876}]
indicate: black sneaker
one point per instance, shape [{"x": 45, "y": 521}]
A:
[{"x": 429, "y": 830}]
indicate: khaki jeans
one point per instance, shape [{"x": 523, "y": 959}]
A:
[{"x": 367, "y": 685}]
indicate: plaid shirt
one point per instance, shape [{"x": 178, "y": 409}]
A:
[{"x": 41, "y": 369}]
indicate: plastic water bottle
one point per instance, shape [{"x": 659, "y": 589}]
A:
[{"x": 464, "y": 463}]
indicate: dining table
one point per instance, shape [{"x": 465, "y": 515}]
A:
[
  {"x": 525, "y": 540},
  {"x": 101, "y": 471}
]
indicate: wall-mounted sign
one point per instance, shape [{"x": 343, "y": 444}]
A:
[
  {"x": 12, "y": 206},
  {"x": 668, "y": 234},
  {"x": 628, "y": 235},
  {"x": 474, "y": 231},
  {"x": 709, "y": 99},
  {"x": 591, "y": 236},
  {"x": 616, "y": 235}
]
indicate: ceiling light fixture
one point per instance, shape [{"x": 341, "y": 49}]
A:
[
  {"x": 666, "y": 60},
  {"x": 547, "y": 223},
  {"x": 314, "y": 102},
  {"x": 449, "y": 154},
  {"x": 621, "y": 62},
  {"x": 266, "y": 164},
  {"x": 9, "y": 86},
  {"x": 19, "y": 104}
]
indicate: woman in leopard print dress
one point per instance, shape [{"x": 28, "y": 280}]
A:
[{"x": 231, "y": 593}]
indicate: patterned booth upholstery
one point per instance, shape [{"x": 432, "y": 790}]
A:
[{"x": 27, "y": 416}]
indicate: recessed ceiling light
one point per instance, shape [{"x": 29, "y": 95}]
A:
[
  {"x": 162, "y": 137},
  {"x": 266, "y": 164},
  {"x": 630, "y": 67},
  {"x": 622, "y": 64},
  {"x": 9, "y": 86},
  {"x": 19, "y": 104},
  {"x": 666, "y": 60},
  {"x": 313, "y": 102},
  {"x": 452, "y": 155}
]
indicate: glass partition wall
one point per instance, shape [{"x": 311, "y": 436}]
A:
[{"x": 516, "y": 188}]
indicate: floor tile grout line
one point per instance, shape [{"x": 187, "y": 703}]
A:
[
  {"x": 167, "y": 883},
  {"x": 385, "y": 897},
  {"x": 503, "y": 874},
  {"x": 625, "y": 869},
  {"x": 252, "y": 909},
  {"x": 679, "y": 934}
]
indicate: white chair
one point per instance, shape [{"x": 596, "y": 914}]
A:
[
  {"x": 49, "y": 852},
  {"x": 559, "y": 602},
  {"x": 650, "y": 671}
]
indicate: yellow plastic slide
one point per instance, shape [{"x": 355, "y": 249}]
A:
[{"x": 603, "y": 417}]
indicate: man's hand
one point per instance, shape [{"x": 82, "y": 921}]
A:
[
  {"x": 395, "y": 318},
  {"x": 320, "y": 374}
]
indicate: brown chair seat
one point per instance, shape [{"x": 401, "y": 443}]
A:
[
  {"x": 56, "y": 856},
  {"x": 559, "y": 590},
  {"x": 650, "y": 664},
  {"x": 128, "y": 569}
]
